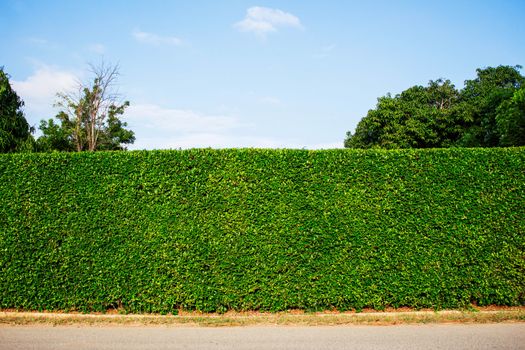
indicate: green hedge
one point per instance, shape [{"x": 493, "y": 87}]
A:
[{"x": 213, "y": 230}]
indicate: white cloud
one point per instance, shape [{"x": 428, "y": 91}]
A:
[
  {"x": 39, "y": 91},
  {"x": 156, "y": 40},
  {"x": 263, "y": 20}
]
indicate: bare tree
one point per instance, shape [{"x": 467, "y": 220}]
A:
[{"x": 87, "y": 111}]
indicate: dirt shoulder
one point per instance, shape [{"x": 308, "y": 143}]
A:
[{"x": 290, "y": 318}]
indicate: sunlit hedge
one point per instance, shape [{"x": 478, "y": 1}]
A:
[{"x": 213, "y": 230}]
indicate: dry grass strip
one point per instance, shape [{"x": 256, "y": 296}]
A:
[{"x": 14, "y": 318}]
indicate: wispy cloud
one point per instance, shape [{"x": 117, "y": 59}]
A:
[
  {"x": 158, "y": 127},
  {"x": 264, "y": 20},
  {"x": 169, "y": 120},
  {"x": 155, "y": 39}
]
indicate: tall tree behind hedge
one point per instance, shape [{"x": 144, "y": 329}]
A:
[
  {"x": 487, "y": 112},
  {"x": 89, "y": 119},
  {"x": 419, "y": 117},
  {"x": 15, "y": 133},
  {"x": 482, "y": 98},
  {"x": 510, "y": 120}
]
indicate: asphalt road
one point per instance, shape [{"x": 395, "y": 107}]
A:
[{"x": 453, "y": 336}]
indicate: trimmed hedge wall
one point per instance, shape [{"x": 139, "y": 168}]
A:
[{"x": 213, "y": 230}]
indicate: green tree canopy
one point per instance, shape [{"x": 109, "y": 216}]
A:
[
  {"x": 55, "y": 136},
  {"x": 510, "y": 120},
  {"x": 15, "y": 133},
  {"x": 481, "y": 99},
  {"x": 487, "y": 112}
]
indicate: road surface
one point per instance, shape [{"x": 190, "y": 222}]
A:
[{"x": 451, "y": 336}]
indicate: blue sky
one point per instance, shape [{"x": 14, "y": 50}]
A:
[{"x": 294, "y": 74}]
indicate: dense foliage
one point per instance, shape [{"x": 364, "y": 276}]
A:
[
  {"x": 488, "y": 112},
  {"x": 15, "y": 135},
  {"x": 262, "y": 229}
]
